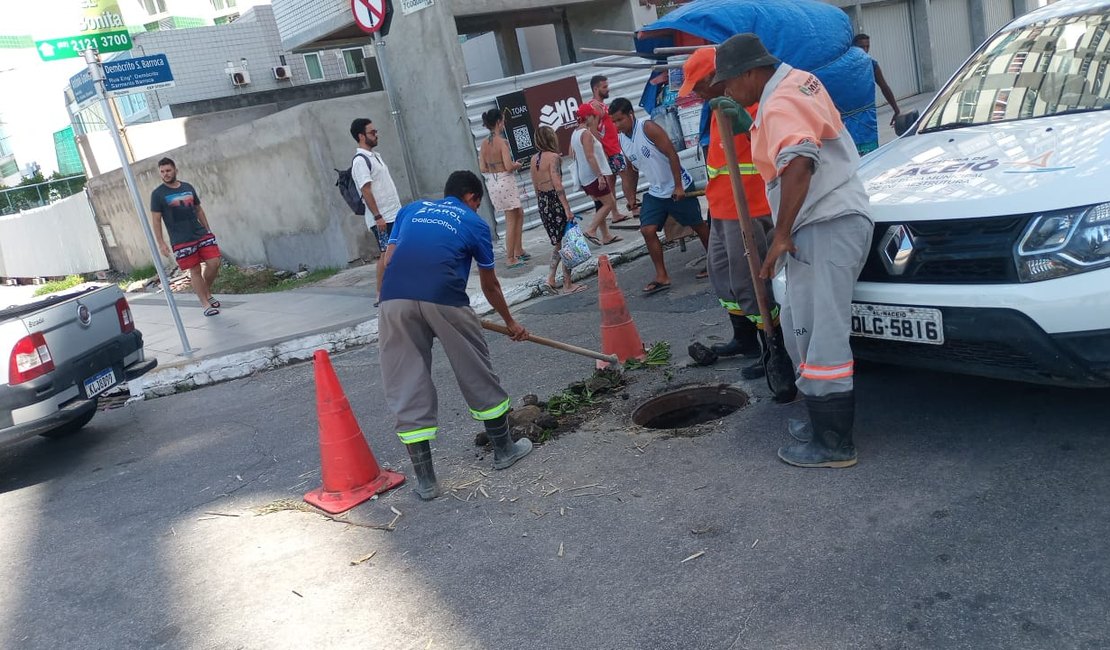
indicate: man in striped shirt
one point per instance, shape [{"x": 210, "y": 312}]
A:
[{"x": 822, "y": 233}]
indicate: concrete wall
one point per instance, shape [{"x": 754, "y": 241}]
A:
[
  {"x": 279, "y": 98},
  {"x": 624, "y": 15},
  {"x": 268, "y": 188},
  {"x": 55, "y": 240}
]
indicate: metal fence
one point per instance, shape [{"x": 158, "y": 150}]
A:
[{"x": 35, "y": 195}]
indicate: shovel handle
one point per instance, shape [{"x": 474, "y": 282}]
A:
[{"x": 558, "y": 345}]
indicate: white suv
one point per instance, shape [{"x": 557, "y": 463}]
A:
[{"x": 991, "y": 253}]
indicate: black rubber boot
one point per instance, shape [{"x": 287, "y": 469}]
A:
[
  {"x": 744, "y": 343},
  {"x": 799, "y": 429},
  {"x": 832, "y": 417},
  {"x": 505, "y": 451},
  {"x": 427, "y": 488},
  {"x": 778, "y": 368}
]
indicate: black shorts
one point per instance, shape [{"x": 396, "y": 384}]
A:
[{"x": 654, "y": 211}]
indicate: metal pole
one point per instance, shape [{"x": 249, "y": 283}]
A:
[
  {"x": 379, "y": 57},
  {"x": 97, "y": 72}
]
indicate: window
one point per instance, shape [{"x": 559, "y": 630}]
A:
[
  {"x": 312, "y": 63},
  {"x": 220, "y": 5},
  {"x": 352, "y": 61},
  {"x": 153, "y": 7}
]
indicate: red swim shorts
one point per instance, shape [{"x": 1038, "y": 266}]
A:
[
  {"x": 192, "y": 253},
  {"x": 594, "y": 189}
]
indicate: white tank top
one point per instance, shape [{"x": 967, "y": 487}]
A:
[
  {"x": 586, "y": 173},
  {"x": 642, "y": 152}
]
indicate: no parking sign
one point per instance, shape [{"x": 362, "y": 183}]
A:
[{"x": 372, "y": 15}]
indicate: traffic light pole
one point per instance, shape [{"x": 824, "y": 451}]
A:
[{"x": 96, "y": 70}]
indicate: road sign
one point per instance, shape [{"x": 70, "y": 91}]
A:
[
  {"x": 137, "y": 75},
  {"x": 369, "y": 14},
  {"x": 78, "y": 25},
  {"x": 413, "y": 6},
  {"x": 84, "y": 91}
]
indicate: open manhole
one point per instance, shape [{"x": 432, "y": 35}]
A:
[{"x": 689, "y": 406}]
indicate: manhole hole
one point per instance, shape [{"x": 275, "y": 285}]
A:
[{"x": 689, "y": 406}]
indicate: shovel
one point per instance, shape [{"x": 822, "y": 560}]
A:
[
  {"x": 558, "y": 345},
  {"x": 779, "y": 371}
]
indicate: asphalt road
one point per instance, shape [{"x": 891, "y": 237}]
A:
[{"x": 977, "y": 517}]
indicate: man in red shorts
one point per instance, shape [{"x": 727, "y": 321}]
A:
[
  {"x": 606, "y": 131},
  {"x": 177, "y": 205}
]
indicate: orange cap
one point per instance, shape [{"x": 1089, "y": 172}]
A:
[{"x": 701, "y": 64}]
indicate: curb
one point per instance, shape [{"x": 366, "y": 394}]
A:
[{"x": 205, "y": 372}]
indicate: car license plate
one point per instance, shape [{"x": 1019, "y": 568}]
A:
[
  {"x": 894, "y": 323},
  {"x": 100, "y": 382}
]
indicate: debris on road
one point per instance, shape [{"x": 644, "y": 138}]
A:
[
  {"x": 693, "y": 557},
  {"x": 364, "y": 558}
]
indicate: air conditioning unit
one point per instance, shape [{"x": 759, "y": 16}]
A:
[
  {"x": 239, "y": 76},
  {"x": 281, "y": 72}
]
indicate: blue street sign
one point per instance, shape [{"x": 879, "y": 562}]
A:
[
  {"x": 138, "y": 74},
  {"x": 83, "y": 89}
]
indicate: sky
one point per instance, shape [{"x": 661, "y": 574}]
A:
[{"x": 31, "y": 90}]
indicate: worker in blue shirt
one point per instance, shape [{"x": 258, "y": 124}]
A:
[{"x": 423, "y": 297}]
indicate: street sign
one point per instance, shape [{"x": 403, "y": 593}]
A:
[
  {"x": 369, "y": 14},
  {"x": 78, "y": 25},
  {"x": 84, "y": 91},
  {"x": 137, "y": 75},
  {"x": 412, "y": 6}
]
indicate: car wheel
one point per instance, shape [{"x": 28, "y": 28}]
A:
[{"x": 71, "y": 427}]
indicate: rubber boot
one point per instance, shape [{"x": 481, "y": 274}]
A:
[
  {"x": 505, "y": 451},
  {"x": 799, "y": 429},
  {"x": 427, "y": 488},
  {"x": 744, "y": 341},
  {"x": 832, "y": 417}
]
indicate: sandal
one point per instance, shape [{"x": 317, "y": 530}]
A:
[
  {"x": 524, "y": 256},
  {"x": 548, "y": 290},
  {"x": 623, "y": 217},
  {"x": 578, "y": 289},
  {"x": 213, "y": 302},
  {"x": 655, "y": 287},
  {"x": 612, "y": 240},
  {"x": 211, "y": 311},
  {"x": 592, "y": 239},
  {"x": 517, "y": 265}
]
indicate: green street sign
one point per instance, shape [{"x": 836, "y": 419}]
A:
[{"x": 69, "y": 47}]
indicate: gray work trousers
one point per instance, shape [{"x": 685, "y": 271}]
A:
[
  {"x": 817, "y": 313},
  {"x": 728, "y": 267},
  {"x": 406, "y": 329}
]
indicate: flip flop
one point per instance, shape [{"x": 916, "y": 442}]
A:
[
  {"x": 703, "y": 274},
  {"x": 213, "y": 302},
  {"x": 578, "y": 289},
  {"x": 655, "y": 287},
  {"x": 519, "y": 264},
  {"x": 593, "y": 239},
  {"x": 624, "y": 217},
  {"x": 211, "y": 311},
  {"x": 615, "y": 239},
  {"x": 548, "y": 290},
  {"x": 524, "y": 256}
]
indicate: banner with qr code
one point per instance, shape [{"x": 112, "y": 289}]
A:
[{"x": 553, "y": 104}]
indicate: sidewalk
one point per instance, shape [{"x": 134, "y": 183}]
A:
[{"x": 256, "y": 332}]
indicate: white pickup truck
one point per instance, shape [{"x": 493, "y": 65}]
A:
[
  {"x": 62, "y": 352},
  {"x": 991, "y": 251}
]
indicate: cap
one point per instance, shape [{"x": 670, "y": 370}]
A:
[
  {"x": 739, "y": 54},
  {"x": 701, "y": 65},
  {"x": 586, "y": 110}
]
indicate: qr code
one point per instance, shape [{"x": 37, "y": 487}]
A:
[{"x": 522, "y": 137}]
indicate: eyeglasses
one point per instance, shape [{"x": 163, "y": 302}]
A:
[{"x": 372, "y": 132}]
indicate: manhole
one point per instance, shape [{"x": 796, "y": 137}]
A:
[{"x": 689, "y": 406}]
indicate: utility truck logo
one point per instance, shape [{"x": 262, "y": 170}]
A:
[{"x": 560, "y": 113}]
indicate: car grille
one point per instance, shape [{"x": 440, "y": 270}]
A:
[
  {"x": 968, "y": 251},
  {"x": 978, "y": 353}
]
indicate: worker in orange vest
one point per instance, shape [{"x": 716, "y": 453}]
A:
[{"x": 728, "y": 268}]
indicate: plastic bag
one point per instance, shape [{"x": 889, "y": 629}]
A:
[{"x": 575, "y": 248}]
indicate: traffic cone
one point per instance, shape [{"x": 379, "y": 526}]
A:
[
  {"x": 619, "y": 335},
  {"x": 350, "y": 471}
]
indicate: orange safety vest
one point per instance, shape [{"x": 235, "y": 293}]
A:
[{"x": 718, "y": 190}]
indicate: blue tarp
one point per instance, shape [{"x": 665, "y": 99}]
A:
[{"x": 807, "y": 34}]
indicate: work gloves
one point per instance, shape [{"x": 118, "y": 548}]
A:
[{"x": 735, "y": 113}]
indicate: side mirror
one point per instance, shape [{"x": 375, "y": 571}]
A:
[{"x": 903, "y": 122}]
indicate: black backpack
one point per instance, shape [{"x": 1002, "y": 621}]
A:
[{"x": 346, "y": 184}]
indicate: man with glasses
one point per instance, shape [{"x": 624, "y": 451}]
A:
[{"x": 371, "y": 176}]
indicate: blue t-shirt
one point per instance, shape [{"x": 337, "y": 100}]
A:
[{"x": 436, "y": 240}]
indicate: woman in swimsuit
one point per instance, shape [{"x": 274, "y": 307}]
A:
[
  {"x": 547, "y": 179},
  {"x": 498, "y": 168}
]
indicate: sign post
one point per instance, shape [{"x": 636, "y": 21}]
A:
[
  {"x": 374, "y": 17},
  {"x": 96, "y": 72}
]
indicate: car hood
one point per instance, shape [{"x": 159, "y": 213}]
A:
[{"x": 991, "y": 170}]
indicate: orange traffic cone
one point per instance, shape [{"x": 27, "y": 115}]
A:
[
  {"x": 619, "y": 335},
  {"x": 350, "y": 471}
]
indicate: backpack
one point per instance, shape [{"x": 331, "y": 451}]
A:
[{"x": 346, "y": 184}]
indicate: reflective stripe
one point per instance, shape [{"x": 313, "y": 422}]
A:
[
  {"x": 419, "y": 435},
  {"x": 731, "y": 306},
  {"x": 826, "y": 373},
  {"x": 492, "y": 413},
  {"x": 745, "y": 170}
]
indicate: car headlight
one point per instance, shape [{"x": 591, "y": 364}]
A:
[{"x": 1065, "y": 242}]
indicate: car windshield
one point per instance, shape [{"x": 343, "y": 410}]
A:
[{"x": 1045, "y": 68}]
